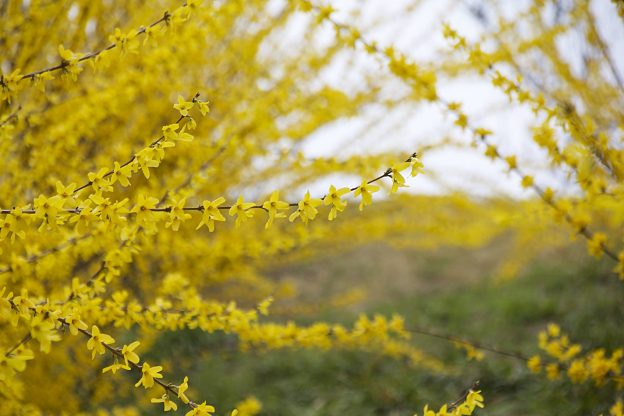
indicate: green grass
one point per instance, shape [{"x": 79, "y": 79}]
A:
[{"x": 583, "y": 297}]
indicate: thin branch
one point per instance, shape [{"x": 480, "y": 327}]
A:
[{"x": 31, "y": 75}]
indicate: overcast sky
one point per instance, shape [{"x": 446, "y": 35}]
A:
[{"x": 418, "y": 33}]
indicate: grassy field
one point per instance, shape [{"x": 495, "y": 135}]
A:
[{"x": 435, "y": 293}]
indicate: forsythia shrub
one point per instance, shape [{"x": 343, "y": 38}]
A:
[{"x": 152, "y": 169}]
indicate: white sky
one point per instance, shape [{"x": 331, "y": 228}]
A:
[{"x": 418, "y": 34}]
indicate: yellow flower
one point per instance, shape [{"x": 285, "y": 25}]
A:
[
  {"x": 169, "y": 131},
  {"x": 333, "y": 198},
  {"x": 398, "y": 180},
  {"x": 474, "y": 399},
  {"x": 99, "y": 180},
  {"x": 211, "y": 213},
  {"x": 167, "y": 403},
  {"x": 552, "y": 371},
  {"x": 66, "y": 192},
  {"x": 417, "y": 166},
  {"x": 482, "y": 132},
  {"x": 182, "y": 388},
  {"x": 553, "y": 330},
  {"x": 121, "y": 174},
  {"x": 97, "y": 341},
  {"x": 535, "y": 364},
  {"x": 113, "y": 368},
  {"x": 202, "y": 409},
  {"x": 306, "y": 209},
  {"x": 462, "y": 121},
  {"x": 427, "y": 412},
  {"x": 44, "y": 331},
  {"x": 273, "y": 206},
  {"x": 177, "y": 215},
  {"x": 491, "y": 152},
  {"x": 183, "y": 106},
  {"x": 597, "y": 244},
  {"x": 366, "y": 190},
  {"x": 149, "y": 374},
  {"x": 17, "y": 359},
  {"x": 527, "y": 181},
  {"x": 204, "y": 107},
  {"x": 182, "y": 135},
  {"x": 128, "y": 353},
  {"x": 511, "y": 162},
  {"x": 263, "y": 306},
  {"x": 143, "y": 210},
  {"x": 241, "y": 210},
  {"x": 47, "y": 209},
  {"x": 145, "y": 159},
  {"x": 577, "y": 371},
  {"x": 75, "y": 324}
]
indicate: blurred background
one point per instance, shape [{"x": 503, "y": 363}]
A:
[{"x": 298, "y": 102}]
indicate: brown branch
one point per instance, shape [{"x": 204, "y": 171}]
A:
[
  {"x": 31, "y": 75},
  {"x": 476, "y": 345}
]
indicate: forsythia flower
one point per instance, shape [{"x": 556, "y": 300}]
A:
[
  {"x": 366, "y": 190},
  {"x": 143, "y": 210},
  {"x": 482, "y": 132},
  {"x": 145, "y": 159},
  {"x": 121, "y": 174},
  {"x": 397, "y": 179},
  {"x": 474, "y": 399},
  {"x": 97, "y": 341},
  {"x": 211, "y": 213},
  {"x": 44, "y": 331},
  {"x": 70, "y": 62},
  {"x": 306, "y": 209},
  {"x": 204, "y": 107},
  {"x": 263, "y": 306},
  {"x": 177, "y": 215},
  {"x": 167, "y": 403},
  {"x": 202, "y": 409},
  {"x": 128, "y": 353},
  {"x": 113, "y": 368},
  {"x": 66, "y": 192},
  {"x": 577, "y": 371},
  {"x": 491, "y": 152},
  {"x": 17, "y": 359},
  {"x": 99, "y": 182},
  {"x": 182, "y": 388},
  {"x": 75, "y": 324},
  {"x": 183, "y": 106},
  {"x": 552, "y": 371},
  {"x": 242, "y": 210},
  {"x": 511, "y": 162},
  {"x": 251, "y": 406},
  {"x": 169, "y": 131},
  {"x": 273, "y": 206},
  {"x": 333, "y": 198},
  {"x": 149, "y": 374},
  {"x": 182, "y": 135},
  {"x": 12, "y": 225},
  {"x": 47, "y": 209},
  {"x": 527, "y": 181},
  {"x": 549, "y": 194},
  {"x": 596, "y": 244},
  {"x": 535, "y": 364},
  {"x": 417, "y": 166}
]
